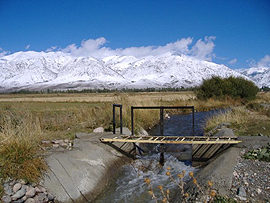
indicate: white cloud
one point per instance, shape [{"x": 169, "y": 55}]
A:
[
  {"x": 222, "y": 58},
  {"x": 204, "y": 49},
  {"x": 251, "y": 62},
  {"x": 96, "y": 48},
  {"x": 264, "y": 62},
  {"x": 180, "y": 46},
  {"x": 53, "y": 48},
  {"x": 27, "y": 47},
  {"x": 2, "y": 52},
  {"x": 233, "y": 61},
  {"x": 88, "y": 47}
]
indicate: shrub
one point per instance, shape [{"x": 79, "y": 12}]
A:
[
  {"x": 262, "y": 154},
  {"x": 233, "y": 87}
]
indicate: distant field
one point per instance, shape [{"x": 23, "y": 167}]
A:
[
  {"x": 61, "y": 115},
  {"x": 96, "y": 97}
]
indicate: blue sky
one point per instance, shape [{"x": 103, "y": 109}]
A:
[{"x": 232, "y": 32}]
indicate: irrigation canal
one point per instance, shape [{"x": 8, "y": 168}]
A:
[{"x": 130, "y": 185}]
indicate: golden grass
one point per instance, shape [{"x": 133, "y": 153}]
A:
[
  {"x": 237, "y": 116},
  {"x": 261, "y": 105},
  {"x": 263, "y": 97},
  {"x": 96, "y": 97},
  {"x": 25, "y": 120},
  {"x": 19, "y": 150},
  {"x": 251, "y": 119},
  {"x": 63, "y": 119}
]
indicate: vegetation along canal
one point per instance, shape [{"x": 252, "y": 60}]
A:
[{"x": 130, "y": 185}]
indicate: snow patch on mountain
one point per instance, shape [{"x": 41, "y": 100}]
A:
[
  {"x": 260, "y": 75},
  {"x": 61, "y": 71}
]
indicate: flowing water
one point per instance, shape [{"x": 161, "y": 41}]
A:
[{"x": 130, "y": 185}]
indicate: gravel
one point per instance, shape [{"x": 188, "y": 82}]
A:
[{"x": 252, "y": 177}]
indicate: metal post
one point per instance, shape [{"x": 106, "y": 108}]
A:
[
  {"x": 132, "y": 121},
  {"x": 114, "y": 119},
  {"x": 161, "y": 122},
  {"x": 193, "y": 121},
  {"x": 161, "y": 160},
  {"x": 121, "y": 121}
]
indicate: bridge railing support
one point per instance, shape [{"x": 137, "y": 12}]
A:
[
  {"x": 121, "y": 118},
  {"x": 161, "y": 108},
  {"x": 161, "y": 121}
]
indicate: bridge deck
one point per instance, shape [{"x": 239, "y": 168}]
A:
[{"x": 172, "y": 139}]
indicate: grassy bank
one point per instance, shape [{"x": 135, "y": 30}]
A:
[
  {"x": 26, "y": 120},
  {"x": 252, "y": 118}
]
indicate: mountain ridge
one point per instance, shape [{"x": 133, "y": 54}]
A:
[{"x": 61, "y": 71}]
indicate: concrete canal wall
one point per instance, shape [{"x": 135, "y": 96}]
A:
[{"x": 80, "y": 174}]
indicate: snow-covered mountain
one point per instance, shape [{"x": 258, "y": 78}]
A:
[
  {"x": 61, "y": 71},
  {"x": 260, "y": 75}
]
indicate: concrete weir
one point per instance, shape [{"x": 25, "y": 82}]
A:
[{"x": 80, "y": 174}]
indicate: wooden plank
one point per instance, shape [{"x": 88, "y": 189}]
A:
[
  {"x": 195, "y": 149},
  {"x": 156, "y": 141},
  {"x": 201, "y": 151},
  {"x": 212, "y": 151},
  {"x": 186, "y": 137}
]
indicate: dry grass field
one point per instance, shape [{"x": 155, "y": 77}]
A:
[
  {"x": 253, "y": 118},
  {"x": 26, "y": 120},
  {"x": 96, "y": 97},
  {"x": 60, "y": 115}
]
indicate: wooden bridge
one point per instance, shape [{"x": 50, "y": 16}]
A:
[
  {"x": 202, "y": 140},
  {"x": 203, "y": 148}
]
